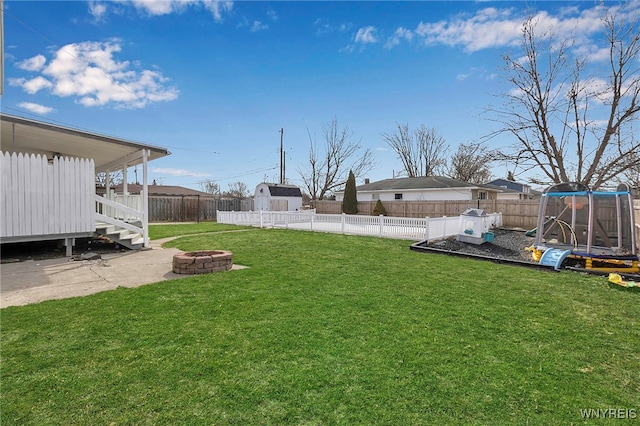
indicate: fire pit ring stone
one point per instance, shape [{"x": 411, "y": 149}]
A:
[{"x": 202, "y": 262}]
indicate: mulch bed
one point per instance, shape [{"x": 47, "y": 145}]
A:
[{"x": 507, "y": 244}]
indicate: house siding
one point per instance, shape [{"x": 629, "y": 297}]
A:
[{"x": 408, "y": 195}]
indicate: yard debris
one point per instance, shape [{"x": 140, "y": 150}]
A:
[{"x": 86, "y": 256}]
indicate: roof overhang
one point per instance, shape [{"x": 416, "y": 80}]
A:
[{"x": 19, "y": 134}]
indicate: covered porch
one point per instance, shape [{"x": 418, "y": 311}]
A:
[{"x": 49, "y": 184}]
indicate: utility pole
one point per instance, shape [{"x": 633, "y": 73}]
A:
[{"x": 281, "y": 156}]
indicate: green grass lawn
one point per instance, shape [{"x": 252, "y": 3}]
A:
[
  {"x": 327, "y": 329},
  {"x": 159, "y": 231}
]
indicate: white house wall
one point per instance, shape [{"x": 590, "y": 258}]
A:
[{"x": 414, "y": 195}]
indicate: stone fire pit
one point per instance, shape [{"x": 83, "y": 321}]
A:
[{"x": 202, "y": 262}]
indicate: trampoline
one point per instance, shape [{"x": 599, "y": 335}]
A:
[{"x": 581, "y": 228}]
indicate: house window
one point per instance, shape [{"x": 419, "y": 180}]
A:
[
  {"x": 375, "y": 196},
  {"x": 482, "y": 195},
  {"x": 398, "y": 196}
]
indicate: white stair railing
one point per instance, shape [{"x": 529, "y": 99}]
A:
[{"x": 116, "y": 212}]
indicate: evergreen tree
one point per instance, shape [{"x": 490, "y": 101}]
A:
[
  {"x": 350, "y": 200},
  {"x": 379, "y": 209}
]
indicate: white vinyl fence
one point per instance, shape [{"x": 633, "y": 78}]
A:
[
  {"x": 381, "y": 226},
  {"x": 42, "y": 198}
]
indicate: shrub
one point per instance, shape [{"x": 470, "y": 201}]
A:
[{"x": 379, "y": 209}]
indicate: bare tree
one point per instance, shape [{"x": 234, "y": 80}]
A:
[
  {"x": 422, "y": 152},
  {"x": 329, "y": 164},
  {"x": 210, "y": 187},
  {"x": 631, "y": 176},
  {"x": 115, "y": 178},
  {"x": 471, "y": 163},
  {"x": 570, "y": 126},
  {"x": 237, "y": 190}
]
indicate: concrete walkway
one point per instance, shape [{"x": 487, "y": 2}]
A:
[{"x": 34, "y": 281}]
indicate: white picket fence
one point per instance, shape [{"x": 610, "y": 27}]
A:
[
  {"x": 41, "y": 198},
  {"x": 380, "y": 226}
]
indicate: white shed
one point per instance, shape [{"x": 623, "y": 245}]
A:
[{"x": 277, "y": 197}]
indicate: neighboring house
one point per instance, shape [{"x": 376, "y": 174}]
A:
[
  {"x": 48, "y": 184},
  {"x": 432, "y": 188},
  {"x": 514, "y": 190},
  {"x": 277, "y": 197},
  {"x": 158, "y": 190}
]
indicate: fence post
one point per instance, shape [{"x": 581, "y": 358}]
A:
[
  {"x": 312, "y": 215},
  {"x": 444, "y": 228},
  {"x": 286, "y": 220},
  {"x": 381, "y": 222},
  {"x": 342, "y": 219},
  {"x": 261, "y": 220},
  {"x": 427, "y": 223}
]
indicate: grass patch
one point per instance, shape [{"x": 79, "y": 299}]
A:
[
  {"x": 159, "y": 231},
  {"x": 327, "y": 329}
]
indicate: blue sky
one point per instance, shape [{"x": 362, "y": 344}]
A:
[{"x": 215, "y": 81}]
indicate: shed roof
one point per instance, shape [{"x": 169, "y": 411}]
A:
[
  {"x": 280, "y": 190},
  {"x": 19, "y": 134}
]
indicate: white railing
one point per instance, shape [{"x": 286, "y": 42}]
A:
[
  {"x": 134, "y": 202},
  {"x": 118, "y": 211},
  {"x": 381, "y": 226},
  {"x": 42, "y": 198}
]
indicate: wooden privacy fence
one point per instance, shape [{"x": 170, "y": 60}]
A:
[
  {"x": 515, "y": 213},
  {"x": 189, "y": 208},
  {"x": 39, "y": 198}
]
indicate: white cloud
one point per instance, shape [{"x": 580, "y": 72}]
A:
[
  {"x": 487, "y": 28},
  {"x": 32, "y": 64},
  {"x": 400, "y": 34},
  {"x": 217, "y": 8},
  {"x": 165, "y": 7},
  {"x": 323, "y": 27},
  {"x": 258, "y": 26},
  {"x": 492, "y": 27},
  {"x": 34, "y": 85},
  {"x": 35, "y": 108},
  {"x": 179, "y": 172},
  {"x": 366, "y": 35},
  {"x": 89, "y": 72},
  {"x": 97, "y": 10}
]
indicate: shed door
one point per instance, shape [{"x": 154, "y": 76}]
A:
[
  {"x": 279, "y": 205},
  {"x": 261, "y": 202}
]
